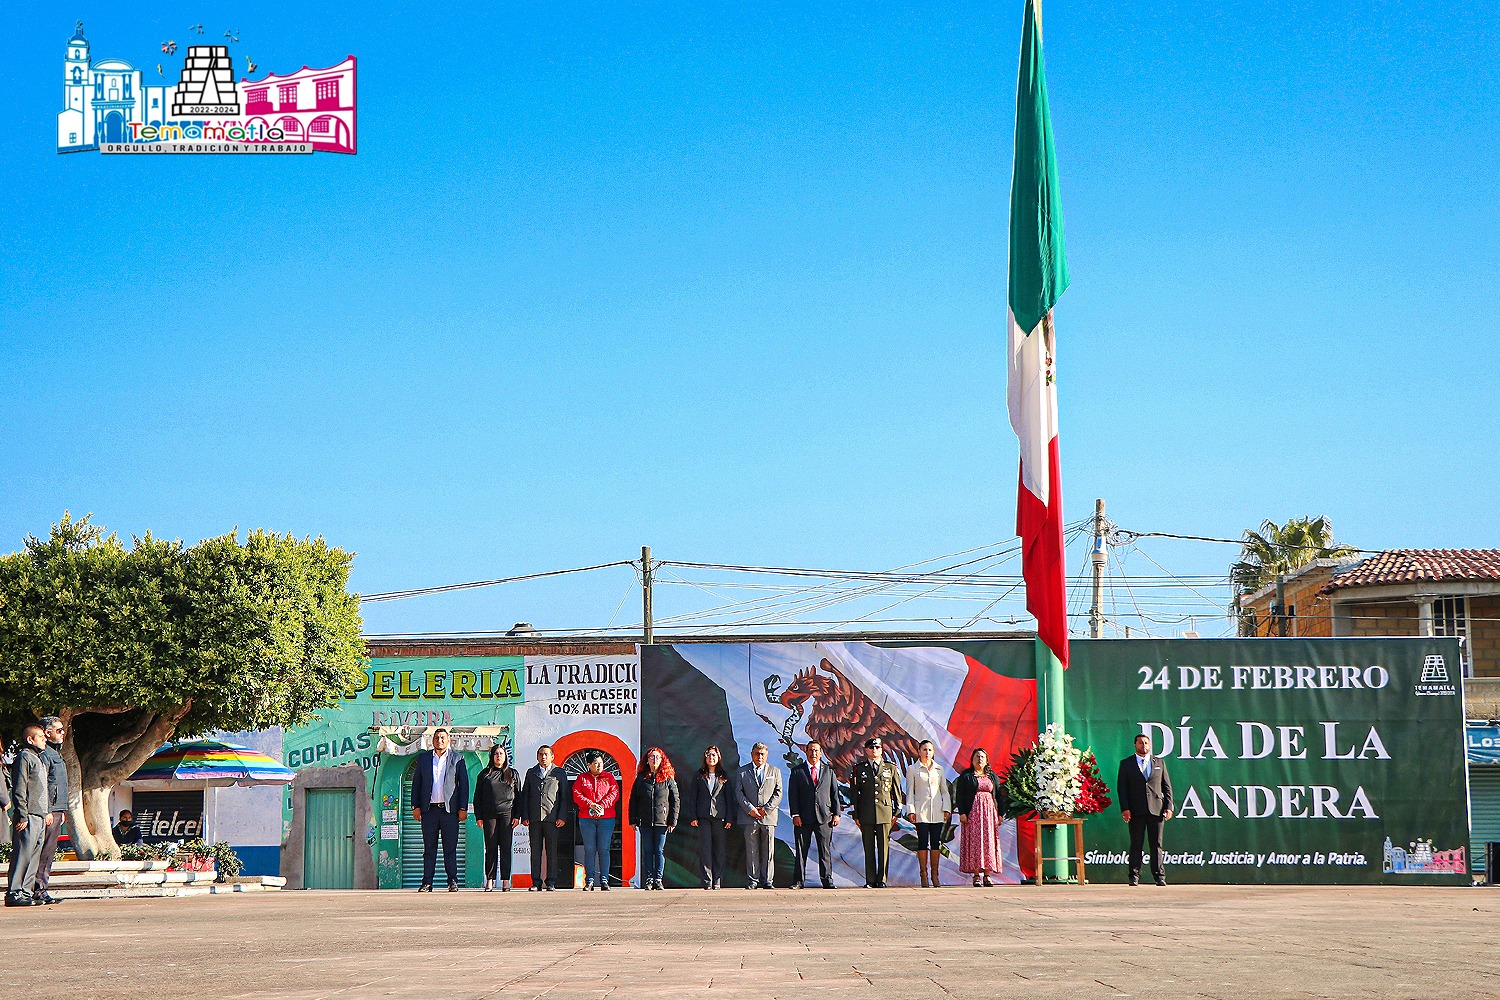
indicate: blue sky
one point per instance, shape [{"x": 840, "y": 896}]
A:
[{"x": 731, "y": 283}]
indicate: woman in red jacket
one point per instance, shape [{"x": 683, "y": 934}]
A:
[{"x": 595, "y": 792}]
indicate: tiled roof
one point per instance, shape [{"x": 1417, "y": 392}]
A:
[{"x": 1419, "y": 565}]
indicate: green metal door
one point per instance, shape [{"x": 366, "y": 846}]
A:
[
  {"x": 328, "y": 842},
  {"x": 1484, "y": 811}
]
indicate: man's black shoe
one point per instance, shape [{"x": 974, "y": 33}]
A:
[
  {"x": 424, "y": 888},
  {"x": 1135, "y": 880},
  {"x": 18, "y": 899},
  {"x": 1161, "y": 880},
  {"x": 452, "y": 886},
  {"x": 48, "y": 898},
  {"x": 828, "y": 885},
  {"x": 551, "y": 887}
]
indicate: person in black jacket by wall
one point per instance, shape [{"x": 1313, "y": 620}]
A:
[
  {"x": 655, "y": 804},
  {"x": 495, "y": 811}
]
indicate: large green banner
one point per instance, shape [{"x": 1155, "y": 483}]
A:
[{"x": 1291, "y": 760}]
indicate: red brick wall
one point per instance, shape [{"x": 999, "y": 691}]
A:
[
  {"x": 1484, "y": 636},
  {"x": 1381, "y": 618},
  {"x": 1314, "y": 613}
]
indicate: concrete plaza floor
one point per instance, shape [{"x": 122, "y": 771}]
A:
[{"x": 1097, "y": 941}]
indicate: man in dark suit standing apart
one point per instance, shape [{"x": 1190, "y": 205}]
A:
[
  {"x": 875, "y": 789},
  {"x": 815, "y": 810},
  {"x": 543, "y": 798},
  {"x": 1144, "y": 792},
  {"x": 440, "y": 802}
]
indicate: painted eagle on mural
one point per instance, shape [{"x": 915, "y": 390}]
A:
[{"x": 841, "y": 717}]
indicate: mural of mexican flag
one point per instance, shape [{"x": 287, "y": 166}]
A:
[{"x": 961, "y": 695}]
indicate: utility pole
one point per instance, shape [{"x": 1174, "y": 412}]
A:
[
  {"x": 650, "y": 632},
  {"x": 1098, "y": 557},
  {"x": 1281, "y": 605}
]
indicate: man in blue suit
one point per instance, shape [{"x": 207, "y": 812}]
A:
[{"x": 440, "y": 802}]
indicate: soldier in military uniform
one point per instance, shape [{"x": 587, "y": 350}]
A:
[{"x": 875, "y": 787}]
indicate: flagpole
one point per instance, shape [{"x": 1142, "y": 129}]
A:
[
  {"x": 1051, "y": 706},
  {"x": 1038, "y": 277}
]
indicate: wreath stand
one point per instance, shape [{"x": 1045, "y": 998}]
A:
[{"x": 1077, "y": 857}]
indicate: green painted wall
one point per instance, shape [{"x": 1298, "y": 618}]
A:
[{"x": 414, "y": 691}]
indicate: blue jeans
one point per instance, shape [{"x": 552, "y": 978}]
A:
[
  {"x": 653, "y": 852},
  {"x": 597, "y": 832}
]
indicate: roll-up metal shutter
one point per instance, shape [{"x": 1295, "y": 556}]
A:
[{"x": 1484, "y": 811}]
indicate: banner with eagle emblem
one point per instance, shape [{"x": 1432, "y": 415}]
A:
[{"x": 960, "y": 695}]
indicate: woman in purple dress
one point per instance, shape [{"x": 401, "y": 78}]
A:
[{"x": 978, "y": 804}]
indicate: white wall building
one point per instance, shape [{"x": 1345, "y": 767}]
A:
[{"x": 101, "y": 99}]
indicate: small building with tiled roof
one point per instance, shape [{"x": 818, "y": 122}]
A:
[
  {"x": 1458, "y": 567},
  {"x": 1399, "y": 592},
  {"x": 1424, "y": 592}
]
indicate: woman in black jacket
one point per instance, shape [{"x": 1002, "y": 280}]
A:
[
  {"x": 710, "y": 808},
  {"x": 494, "y": 810},
  {"x": 654, "y": 807}
]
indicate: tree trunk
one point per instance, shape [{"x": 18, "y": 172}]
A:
[
  {"x": 97, "y": 763},
  {"x": 89, "y": 822}
]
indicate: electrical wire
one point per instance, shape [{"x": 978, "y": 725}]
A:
[
  {"x": 397, "y": 595},
  {"x": 1126, "y": 537}
]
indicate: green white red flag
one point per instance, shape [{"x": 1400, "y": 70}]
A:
[{"x": 1038, "y": 276}]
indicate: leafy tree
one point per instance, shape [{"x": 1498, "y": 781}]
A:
[
  {"x": 1281, "y": 548},
  {"x": 134, "y": 647}
]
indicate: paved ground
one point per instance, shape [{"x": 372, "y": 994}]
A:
[{"x": 1099, "y": 941}]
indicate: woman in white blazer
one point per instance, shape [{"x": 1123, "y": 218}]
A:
[{"x": 929, "y": 806}]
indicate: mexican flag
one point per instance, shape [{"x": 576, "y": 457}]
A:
[{"x": 1038, "y": 276}]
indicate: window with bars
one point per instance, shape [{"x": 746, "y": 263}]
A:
[
  {"x": 328, "y": 90},
  {"x": 286, "y": 95},
  {"x": 321, "y": 125},
  {"x": 1450, "y": 616}
]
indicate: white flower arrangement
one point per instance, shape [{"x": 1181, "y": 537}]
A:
[{"x": 1057, "y": 780}]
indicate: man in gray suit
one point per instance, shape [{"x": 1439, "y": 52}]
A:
[
  {"x": 543, "y": 803},
  {"x": 759, "y": 794},
  {"x": 30, "y": 816},
  {"x": 57, "y": 794}
]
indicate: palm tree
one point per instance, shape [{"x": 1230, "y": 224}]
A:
[{"x": 1281, "y": 548}]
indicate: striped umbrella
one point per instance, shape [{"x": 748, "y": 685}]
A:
[{"x": 210, "y": 762}]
